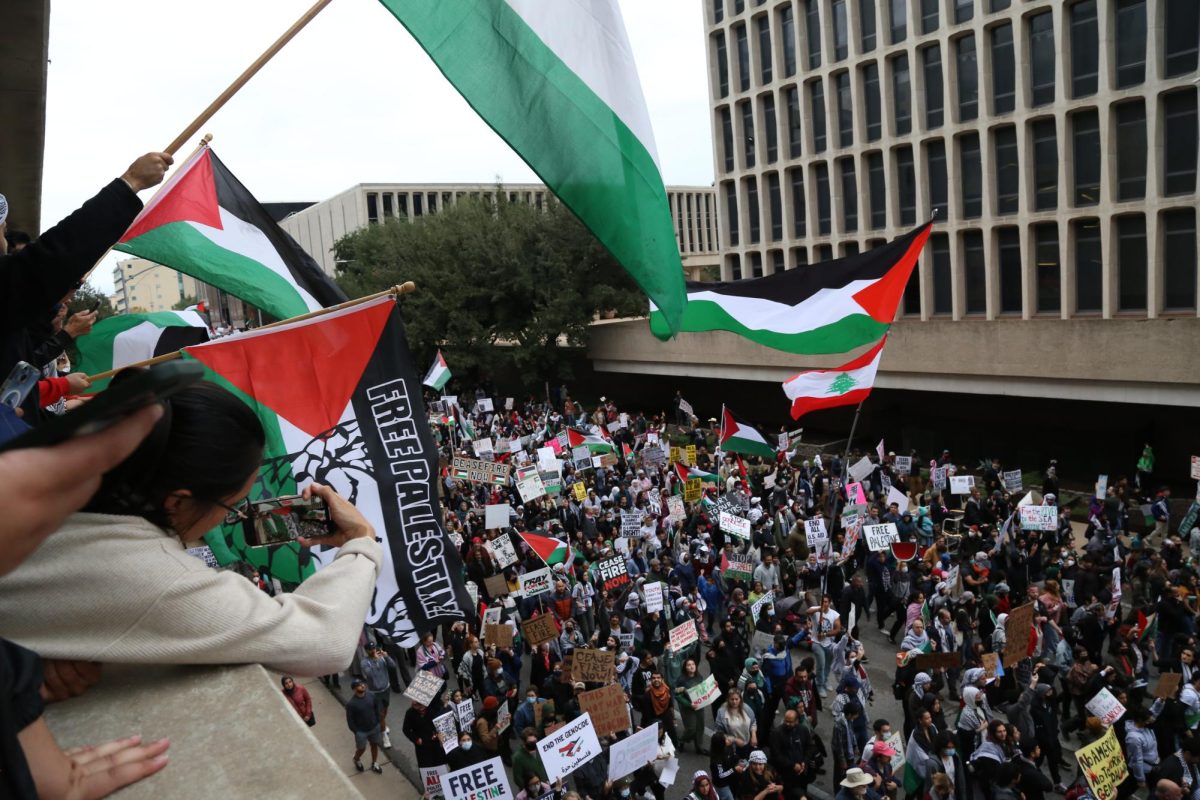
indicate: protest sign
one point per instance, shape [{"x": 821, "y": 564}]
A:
[
  {"x": 703, "y": 694},
  {"x": 473, "y": 593},
  {"x": 502, "y": 550},
  {"x": 898, "y": 497},
  {"x": 927, "y": 662},
  {"x": 581, "y": 457},
  {"x": 536, "y": 582},
  {"x": 626, "y": 642},
  {"x": 735, "y": 570},
  {"x": 782, "y": 442},
  {"x": 654, "y": 455},
  {"x": 540, "y": 629},
  {"x": 496, "y": 515},
  {"x": 465, "y": 713},
  {"x": 880, "y": 537},
  {"x": 654, "y": 596},
  {"x": 1103, "y": 765},
  {"x": 691, "y": 454},
  {"x": 483, "y": 446},
  {"x": 815, "y": 532},
  {"x": 447, "y": 731},
  {"x": 675, "y": 508},
  {"x": 1012, "y": 480},
  {"x": 632, "y": 753},
  {"x": 531, "y": 487},
  {"x": 614, "y": 426},
  {"x": 580, "y": 490},
  {"x": 1068, "y": 592},
  {"x": 686, "y": 408},
  {"x": 608, "y": 709},
  {"x": 903, "y": 465},
  {"x": 431, "y": 779},
  {"x": 1016, "y": 634},
  {"x": 613, "y": 572},
  {"x": 1101, "y": 487},
  {"x": 855, "y": 494},
  {"x": 991, "y": 664},
  {"x": 496, "y": 585},
  {"x": 896, "y": 742},
  {"x": 551, "y": 482},
  {"x": 675, "y": 455},
  {"x": 683, "y": 635},
  {"x": 693, "y": 488},
  {"x": 547, "y": 461},
  {"x": 479, "y": 471},
  {"x": 769, "y": 481},
  {"x": 502, "y": 445},
  {"x": 593, "y": 666},
  {"x": 631, "y": 524},
  {"x": 1168, "y": 684},
  {"x": 484, "y": 781},
  {"x": 569, "y": 748},
  {"x": 734, "y": 525},
  {"x": 491, "y": 616},
  {"x": 860, "y": 469},
  {"x": 758, "y": 608},
  {"x": 937, "y": 476},
  {"x": 424, "y": 688},
  {"x": 1105, "y": 707},
  {"x": 962, "y": 484},
  {"x": 1039, "y": 518},
  {"x": 1195, "y": 468},
  {"x": 503, "y": 718},
  {"x": 608, "y": 459},
  {"x": 485, "y": 405},
  {"x": 761, "y": 642},
  {"x": 499, "y": 635}
]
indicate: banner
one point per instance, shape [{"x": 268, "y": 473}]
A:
[
  {"x": 704, "y": 694},
  {"x": 683, "y": 635},
  {"x": 479, "y": 471},
  {"x": 880, "y": 537},
  {"x": 569, "y": 748},
  {"x": 1103, "y": 765},
  {"x": 536, "y": 582},
  {"x": 607, "y": 708},
  {"x": 484, "y": 781},
  {"x": 632, "y": 753},
  {"x": 613, "y": 572}
]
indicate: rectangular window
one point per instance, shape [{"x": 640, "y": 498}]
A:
[
  {"x": 1045, "y": 165},
  {"x": 849, "y": 249},
  {"x": 823, "y": 252},
  {"x": 974, "y": 272},
  {"x": 845, "y": 110},
  {"x": 722, "y": 66},
  {"x": 718, "y": 7},
  {"x": 764, "y": 49},
  {"x": 898, "y": 20},
  {"x": 1009, "y": 270},
  {"x": 817, "y": 97},
  {"x": 752, "y": 212},
  {"x": 792, "y": 98},
  {"x": 1041, "y": 58},
  {"x": 402, "y": 205},
  {"x": 1085, "y": 49},
  {"x": 731, "y": 214},
  {"x": 999, "y": 5},
  {"x": 964, "y": 10},
  {"x": 929, "y": 15},
  {"x": 1179, "y": 150},
  {"x": 772, "y": 127},
  {"x": 1008, "y": 170},
  {"x": 876, "y": 184},
  {"x": 799, "y": 205},
  {"x": 849, "y": 195},
  {"x": 968, "y": 78},
  {"x": 912, "y": 293},
  {"x": 1131, "y": 263},
  {"x": 739, "y": 6},
  {"x": 907, "y": 185},
  {"x": 936, "y": 174},
  {"x": 901, "y": 94},
  {"x": 1004, "y": 70},
  {"x": 747, "y": 132},
  {"x": 1182, "y": 32},
  {"x": 735, "y": 266},
  {"x": 943, "y": 292},
  {"x": 727, "y": 138},
  {"x": 1179, "y": 259},
  {"x": 971, "y": 175},
  {"x": 841, "y": 31},
  {"x": 866, "y": 24},
  {"x": 1085, "y": 142},
  {"x": 934, "y": 104},
  {"x": 372, "y": 207},
  {"x": 387, "y": 207},
  {"x": 824, "y": 210},
  {"x": 777, "y": 261},
  {"x": 1131, "y": 42},
  {"x": 743, "y": 57},
  {"x": 1049, "y": 272},
  {"x": 756, "y": 265},
  {"x": 874, "y": 105},
  {"x": 775, "y": 204},
  {"x": 813, "y": 19},
  {"x": 787, "y": 36},
  {"x": 1089, "y": 269},
  {"x": 1131, "y": 150}
]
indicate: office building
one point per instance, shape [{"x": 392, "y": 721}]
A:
[{"x": 141, "y": 286}]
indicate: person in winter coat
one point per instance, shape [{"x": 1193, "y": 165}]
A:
[
  {"x": 300, "y": 699},
  {"x": 693, "y": 719},
  {"x": 988, "y": 758},
  {"x": 526, "y": 761},
  {"x": 1032, "y": 781},
  {"x": 419, "y": 729}
]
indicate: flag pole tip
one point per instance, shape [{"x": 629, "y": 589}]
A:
[
  {"x": 404, "y": 288},
  {"x": 205, "y": 139}
]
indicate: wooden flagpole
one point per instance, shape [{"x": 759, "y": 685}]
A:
[{"x": 395, "y": 291}]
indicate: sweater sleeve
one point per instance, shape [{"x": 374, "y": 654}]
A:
[{"x": 51, "y": 390}]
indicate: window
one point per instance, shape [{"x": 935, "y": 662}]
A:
[
  {"x": 873, "y": 104},
  {"x": 968, "y": 79},
  {"x": 1045, "y": 165},
  {"x": 1008, "y": 170},
  {"x": 899, "y": 20},
  {"x": 775, "y": 204},
  {"x": 841, "y": 32},
  {"x": 824, "y": 212},
  {"x": 787, "y": 35},
  {"x": 866, "y": 24},
  {"x": 1179, "y": 259},
  {"x": 387, "y": 209},
  {"x": 845, "y": 110},
  {"x": 791, "y": 96},
  {"x": 1182, "y": 31},
  {"x": 974, "y": 272},
  {"x": 901, "y": 95},
  {"x": 1131, "y": 150},
  {"x": 727, "y": 138},
  {"x": 1180, "y": 134},
  {"x": 1131, "y": 263},
  {"x": 971, "y": 175},
  {"x": 849, "y": 249},
  {"x": 877, "y": 187},
  {"x": 907, "y": 185},
  {"x": 735, "y": 267},
  {"x": 764, "y": 48},
  {"x": 817, "y": 95},
  {"x": 1004, "y": 71},
  {"x": 402, "y": 204},
  {"x": 772, "y": 127},
  {"x": 1089, "y": 274},
  {"x": 934, "y": 105},
  {"x": 1085, "y": 140},
  {"x": 1085, "y": 49},
  {"x": 722, "y": 66},
  {"x": 1009, "y": 270},
  {"x": 999, "y": 5},
  {"x": 801, "y": 256},
  {"x": 849, "y": 195},
  {"x": 814, "y": 34},
  {"x": 372, "y": 207},
  {"x": 929, "y": 15},
  {"x": 1041, "y": 59},
  {"x": 718, "y": 7},
  {"x": 1049, "y": 273},
  {"x": 756, "y": 265},
  {"x": 939, "y": 246},
  {"x": 743, "y": 57},
  {"x": 964, "y": 10},
  {"x": 823, "y": 252},
  {"x": 752, "y": 212},
  {"x": 936, "y": 175},
  {"x": 912, "y": 292},
  {"x": 1131, "y": 42},
  {"x": 747, "y": 132},
  {"x": 731, "y": 212},
  {"x": 799, "y": 225}
]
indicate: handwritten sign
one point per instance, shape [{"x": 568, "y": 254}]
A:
[
  {"x": 703, "y": 694},
  {"x": 734, "y": 525},
  {"x": 1039, "y": 518},
  {"x": 693, "y": 488},
  {"x": 447, "y": 731},
  {"x": 1168, "y": 684},
  {"x": 536, "y": 582},
  {"x": 991, "y": 665},
  {"x": 496, "y": 585},
  {"x": 431, "y": 779},
  {"x": 931, "y": 661},
  {"x": 479, "y": 471},
  {"x": 675, "y": 508},
  {"x": 1012, "y": 480},
  {"x": 1105, "y": 707},
  {"x": 424, "y": 687},
  {"x": 654, "y": 596},
  {"x": 1016, "y": 634},
  {"x": 614, "y": 573},
  {"x": 903, "y": 465},
  {"x": 499, "y": 635},
  {"x": 465, "y": 712},
  {"x": 593, "y": 666},
  {"x": 684, "y": 635},
  {"x": 760, "y": 605},
  {"x": 540, "y": 629},
  {"x": 880, "y": 537},
  {"x": 502, "y": 549},
  {"x": 1103, "y": 765},
  {"x": 608, "y": 709},
  {"x": 815, "y": 532}
]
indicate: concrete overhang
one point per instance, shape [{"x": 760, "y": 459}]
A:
[{"x": 24, "y": 54}]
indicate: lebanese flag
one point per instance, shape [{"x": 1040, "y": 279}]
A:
[
  {"x": 593, "y": 442},
  {"x": 205, "y": 223},
  {"x": 846, "y": 385}
]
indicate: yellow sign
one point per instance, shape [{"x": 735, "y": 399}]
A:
[
  {"x": 580, "y": 491},
  {"x": 1103, "y": 764},
  {"x": 691, "y": 454},
  {"x": 675, "y": 455},
  {"x": 693, "y": 489}
]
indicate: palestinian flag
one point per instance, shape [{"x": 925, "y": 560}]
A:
[
  {"x": 738, "y": 436},
  {"x": 552, "y": 551},
  {"x": 438, "y": 375},
  {"x": 594, "y": 442},
  {"x": 126, "y": 339},
  {"x": 1146, "y": 626},
  {"x": 846, "y": 385},
  {"x": 567, "y": 68},
  {"x": 831, "y": 307},
  {"x": 204, "y": 223},
  {"x": 340, "y": 401},
  {"x": 686, "y": 473}
]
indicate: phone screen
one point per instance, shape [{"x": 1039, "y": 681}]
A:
[{"x": 280, "y": 520}]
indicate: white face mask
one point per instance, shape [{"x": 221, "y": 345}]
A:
[{"x": 466, "y": 745}]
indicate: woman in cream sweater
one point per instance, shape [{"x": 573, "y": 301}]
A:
[{"x": 116, "y": 585}]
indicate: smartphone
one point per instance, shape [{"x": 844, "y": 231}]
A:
[
  {"x": 19, "y": 384},
  {"x": 279, "y": 520},
  {"x": 122, "y": 398},
  {"x": 95, "y": 308}
]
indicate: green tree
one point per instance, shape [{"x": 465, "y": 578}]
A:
[
  {"x": 86, "y": 297},
  {"x": 500, "y": 288}
]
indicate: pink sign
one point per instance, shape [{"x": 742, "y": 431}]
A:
[{"x": 856, "y": 495}]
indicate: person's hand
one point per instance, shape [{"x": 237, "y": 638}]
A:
[
  {"x": 77, "y": 382},
  {"x": 88, "y": 773},
  {"x": 80, "y": 323},
  {"x": 62, "y": 680},
  {"x": 147, "y": 171},
  {"x": 74, "y": 402},
  {"x": 348, "y": 521}
]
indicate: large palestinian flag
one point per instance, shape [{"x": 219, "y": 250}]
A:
[
  {"x": 126, "y": 339},
  {"x": 738, "y": 436},
  {"x": 206, "y": 224},
  {"x": 341, "y": 404},
  {"x": 830, "y": 307},
  {"x": 685, "y": 473},
  {"x": 594, "y": 442},
  {"x": 548, "y": 548},
  {"x": 846, "y": 385}
]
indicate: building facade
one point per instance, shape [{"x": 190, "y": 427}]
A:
[
  {"x": 142, "y": 286},
  {"x": 318, "y": 227},
  {"x": 1055, "y": 140}
]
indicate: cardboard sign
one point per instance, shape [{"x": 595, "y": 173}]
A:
[
  {"x": 1016, "y": 634},
  {"x": 880, "y": 537},
  {"x": 431, "y": 779},
  {"x": 608, "y": 459},
  {"x": 1012, "y": 480},
  {"x": 927, "y": 662},
  {"x": 1103, "y": 764},
  {"x": 447, "y": 731},
  {"x": 479, "y": 471},
  {"x": 502, "y": 549},
  {"x": 758, "y": 608},
  {"x": 735, "y": 570},
  {"x": 734, "y": 525},
  {"x": 675, "y": 508},
  {"x": 580, "y": 490},
  {"x": 1168, "y": 685},
  {"x": 608, "y": 709},
  {"x": 631, "y": 524},
  {"x": 465, "y": 712},
  {"x": 1105, "y": 707},
  {"x": 815, "y": 532},
  {"x": 653, "y": 593},
  {"x": 496, "y": 515},
  {"x": 496, "y": 585},
  {"x": 539, "y": 629},
  {"x": 860, "y": 469},
  {"x": 761, "y": 642},
  {"x": 962, "y": 484},
  {"x": 903, "y": 465},
  {"x": 503, "y": 718},
  {"x": 569, "y": 748},
  {"x": 499, "y": 635},
  {"x": 632, "y": 753},
  {"x": 424, "y": 688},
  {"x": 683, "y": 635},
  {"x": 704, "y": 694},
  {"x": 537, "y": 582},
  {"x": 483, "y": 781},
  {"x": 693, "y": 490},
  {"x": 991, "y": 665},
  {"x": 613, "y": 572},
  {"x": 1039, "y": 518},
  {"x": 593, "y": 666}
]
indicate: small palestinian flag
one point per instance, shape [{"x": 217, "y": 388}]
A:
[
  {"x": 846, "y": 385},
  {"x": 205, "y": 223},
  {"x": 438, "y": 375},
  {"x": 1147, "y": 626},
  {"x": 552, "y": 551},
  {"x": 595, "y": 443},
  {"x": 738, "y": 436},
  {"x": 686, "y": 473},
  {"x": 126, "y": 339},
  {"x": 831, "y": 307}
]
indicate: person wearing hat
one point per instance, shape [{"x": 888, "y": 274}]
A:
[
  {"x": 758, "y": 782},
  {"x": 879, "y": 767},
  {"x": 856, "y": 785},
  {"x": 487, "y": 731},
  {"x": 363, "y": 721}
]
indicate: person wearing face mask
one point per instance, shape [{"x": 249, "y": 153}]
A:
[
  {"x": 466, "y": 754},
  {"x": 536, "y": 788},
  {"x": 526, "y": 761},
  {"x": 529, "y": 714}
]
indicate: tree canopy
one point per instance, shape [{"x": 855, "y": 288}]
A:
[{"x": 498, "y": 286}]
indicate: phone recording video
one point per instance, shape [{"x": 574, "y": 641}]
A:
[{"x": 279, "y": 520}]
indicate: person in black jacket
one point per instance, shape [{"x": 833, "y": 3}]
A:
[{"x": 1033, "y": 782}]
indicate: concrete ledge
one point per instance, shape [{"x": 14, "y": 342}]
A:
[{"x": 232, "y": 733}]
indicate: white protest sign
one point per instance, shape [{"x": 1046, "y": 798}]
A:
[
  {"x": 1101, "y": 487},
  {"x": 531, "y": 487},
  {"x": 1012, "y": 480},
  {"x": 704, "y": 694},
  {"x": 503, "y": 718},
  {"x": 447, "y": 731},
  {"x": 757, "y": 609},
  {"x": 782, "y": 442},
  {"x": 861, "y": 469},
  {"x": 569, "y": 748},
  {"x": 465, "y": 712},
  {"x": 815, "y": 532},
  {"x": 536, "y": 582},
  {"x": 424, "y": 687},
  {"x": 903, "y": 465},
  {"x": 769, "y": 482},
  {"x": 1039, "y": 518},
  {"x": 614, "y": 426},
  {"x": 431, "y": 779},
  {"x": 735, "y": 525},
  {"x": 484, "y": 781},
  {"x": 631, "y": 524},
  {"x": 685, "y": 407},
  {"x": 502, "y": 550},
  {"x": 496, "y": 515},
  {"x": 1196, "y": 468},
  {"x": 675, "y": 508},
  {"x": 482, "y": 446},
  {"x": 547, "y": 460},
  {"x": 961, "y": 484},
  {"x": 937, "y": 476},
  {"x": 880, "y": 537},
  {"x": 898, "y": 497},
  {"x": 1105, "y": 706},
  {"x": 881, "y": 451},
  {"x": 654, "y": 596},
  {"x": 683, "y": 635},
  {"x": 896, "y": 742},
  {"x": 761, "y": 642},
  {"x": 632, "y": 753}
]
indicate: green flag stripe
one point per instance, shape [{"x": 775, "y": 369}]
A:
[{"x": 838, "y": 337}]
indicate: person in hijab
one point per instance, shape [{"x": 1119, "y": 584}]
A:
[
  {"x": 914, "y": 701},
  {"x": 916, "y": 638},
  {"x": 752, "y": 673},
  {"x": 300, "y": 699},
  {"x": 973, "y": 718},
  {"x": 702, "y": 787}
]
